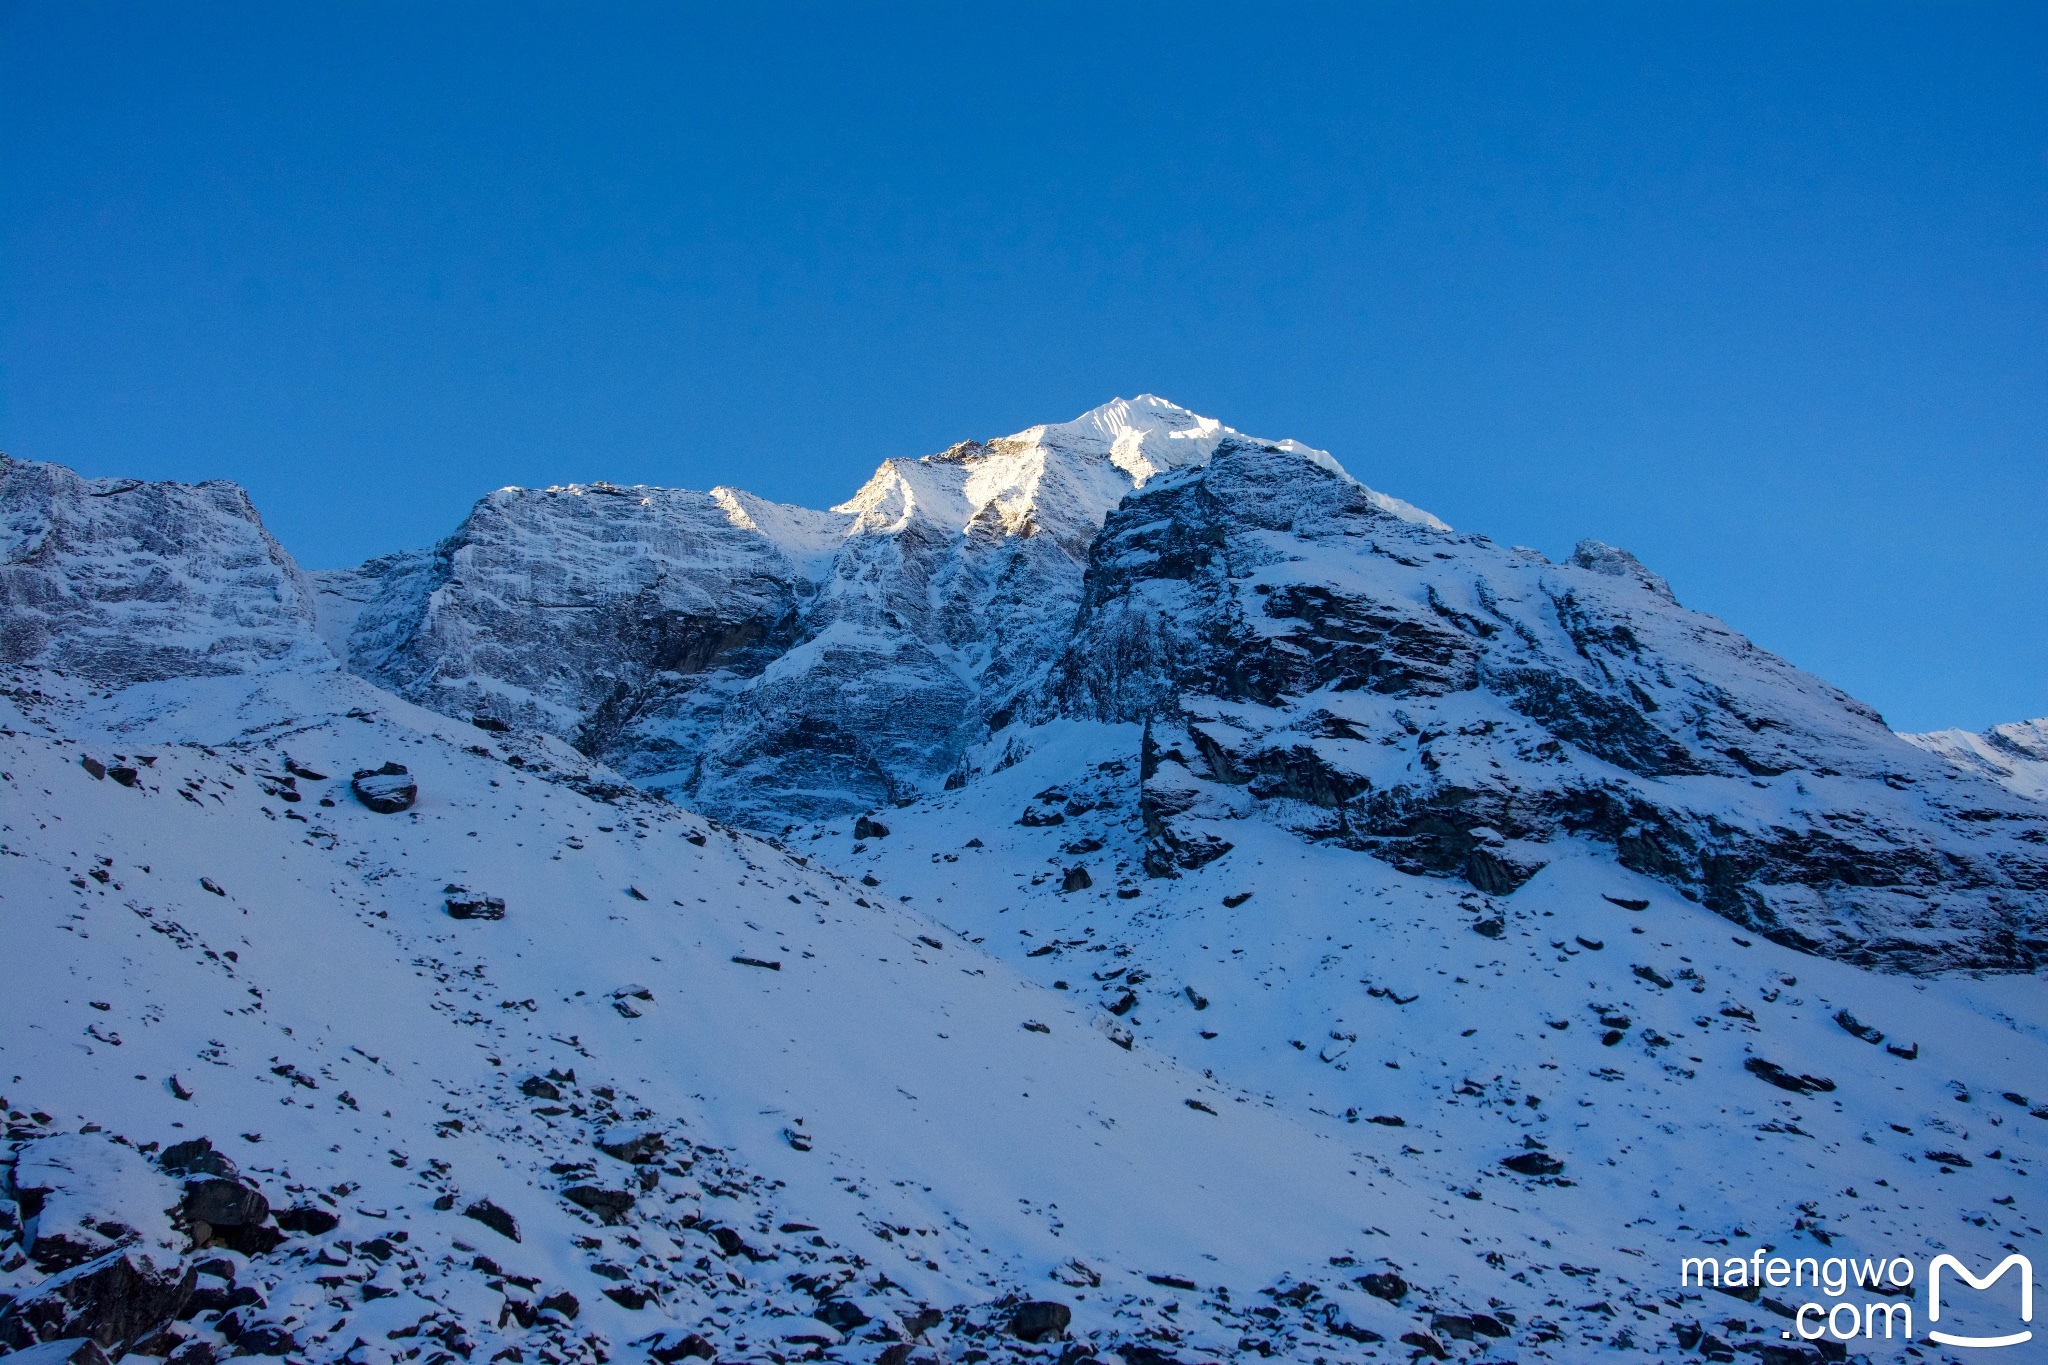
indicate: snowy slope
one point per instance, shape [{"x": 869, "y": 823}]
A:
[
  {"x": 1248, "y": 868},
  {"x": 280, "y": 976},
  {"x": 1620, "y": 1041},
  {"x": 2014, "y": 755}
]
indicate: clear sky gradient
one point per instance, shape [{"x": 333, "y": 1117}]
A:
[{"x": 1759, "y": 292}]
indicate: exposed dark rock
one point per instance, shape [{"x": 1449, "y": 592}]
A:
[
  {"x": 256, "y": 1336},
  {"x": 609, "y": 1205},
  {"x": 1785, "y": 1080},
  {"x": 117, "y": 1301},
  {"x": 1426, "y": 1345},
  {"x": 867, "y": 827},
  {"x": 251, "y": 1239},
  {"x": 224, "y": 1203},
  {"x": 731, "y": 1243},
  {"x": 308, "y": 1219},
  {"x": 494, "y": 1218},
  {"x": 386, "y": 790},
  {"x": 1040, "y": 1320},
  {"x": 539, "y": 1088},
  {"x": 1382, "y": 1284},
  {"x": 1138, "y": 1353},
  {"x": 196, "y": 1157},
  {"x": 1533, "y": 1163},
  {"x": 638, "y": 1146},
  {"x": 218, "y": 1293},
  {"x": 688, "y": 1347},
  {"x": 465, "y": 904},
  {"x": 841, "y": 1314}
]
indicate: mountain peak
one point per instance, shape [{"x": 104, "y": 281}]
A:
[{"x": 1148, "y": 435}]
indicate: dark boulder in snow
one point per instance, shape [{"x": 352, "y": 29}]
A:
[
  {"x": 118, "y": 1301},
  {"x": 386, "y": 790},
  {"x": 255, "y": 1336},
  {"x": 843, "y": 1314},
  {"x": 609, "y": 1205},
  {"x": 309, "y": 1219},
  {"x": 1384, "y": 1284},
  {"x": 196, "y": 1157},
  {"x": 1040, "y": 1320},
  {"x": 494, "y": 1218},
  {"x": 634, "y": 1143},
  {"x": 1533, "y": 1163},
  {"x": 224, "y": 1203},
  {"x": 865, "y": 828},
  {"x": 463, "y": 903}
]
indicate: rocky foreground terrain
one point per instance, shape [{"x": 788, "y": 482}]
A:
[{"x": 1125, "y": 891}]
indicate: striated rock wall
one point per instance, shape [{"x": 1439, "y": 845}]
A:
[
  {"x": 1456, "y": 707},
  {"x": 119, "y": 581}
]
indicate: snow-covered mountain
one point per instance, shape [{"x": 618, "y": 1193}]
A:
[
  {"x": 766, "y": 662},
  {"x": 2014, "y": 755},
  {"x": 1215, "y": 910},
  {"x": 1307, "y": 650}
]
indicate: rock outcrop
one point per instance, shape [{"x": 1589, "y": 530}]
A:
[
  {"x": 1454, "y": 707},
  {"x": 119, "y": 581}
]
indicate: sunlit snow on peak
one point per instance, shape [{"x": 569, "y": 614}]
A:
[{"x": 1146, "y": 436}]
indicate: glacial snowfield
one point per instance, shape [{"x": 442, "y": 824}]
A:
[{"x": 864, "y": 1089}]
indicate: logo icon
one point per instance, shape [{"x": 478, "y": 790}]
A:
[{"x": 2026, "y": 1269}]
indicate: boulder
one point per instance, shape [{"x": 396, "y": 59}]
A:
[
  {"x": 464, "y": 904},
  {"x": 1384, "y": 1285},
  {"x": 257, "y": 1336},
  {"x": 494, "y": 1218},
  {"x": 609, "y": 1205},
  {"x": 1040, "y": 1320},
  {"x": 196, "y": 1157},
  {"x": 386, "y": 790},
  {"x": 841, "y": 1314},
  {"x": 89, "y": 1197},
  {"x": 118, "y": 1301},
  {"x": 633, "y": 1143},
  {"x": 224, "y": 1203},
  {"x": 1533, "y": 1163},
  {"x": 865, "y": 828},
  {"x": 309, "y": 1219}
]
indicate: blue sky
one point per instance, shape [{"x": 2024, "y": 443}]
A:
[{"x": 1759, "y": 292}]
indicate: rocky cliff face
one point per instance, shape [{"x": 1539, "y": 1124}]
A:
[
  {"x": 118, "y": 581},
  {"x": 1457, "y": 708},
  {"x": 1299, "y": 648},
  {"x": 772, "y": 663},
  {"x": 621, "y": 619}
]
